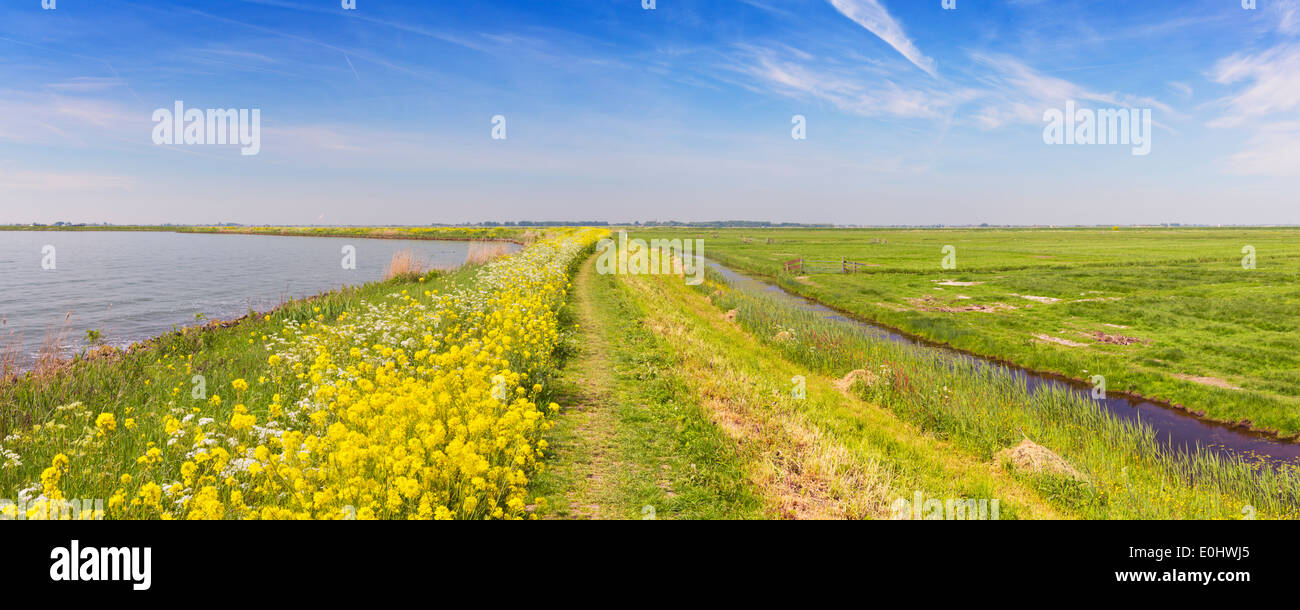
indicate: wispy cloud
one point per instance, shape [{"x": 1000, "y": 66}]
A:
[
  {"x": 32, "y": 118},
  {"x": 1267, "y": 102},
  {"x": 27, "y": 180},
  {"x": 1272, "y": 80},
  {"x": 862, "y": 91},
  {"x": 1022, "y": 93},
  {"x": 1288, "y": 13},
  {"x": 83, "y": 84},
  {"x": 1274, "y": 150},
  {"x": 872, "y": 15}
]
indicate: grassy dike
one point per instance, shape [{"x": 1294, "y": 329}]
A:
[
  {"x": 141, "y": 384},
  {"x": 1169, "y": 314},
  {"x": 1119, "y": 470},
  {"x": 670, "y": 406},
  {"x": 632, "y": 441},
  {"x": 410, "y": 398}
]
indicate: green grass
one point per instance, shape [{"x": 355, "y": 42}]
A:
[
  {"x": 825, "y": 453},
  {"x": 1181, "y": 292},
  {"x": 631, "y": 435},
  {"x": 1129, "y": 475}
]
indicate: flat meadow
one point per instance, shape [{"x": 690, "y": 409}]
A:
[
  {"x": 536, "y": 385},
  {"x": 1181, "y": 315}
]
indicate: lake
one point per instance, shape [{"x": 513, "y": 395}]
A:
[{"x": 136, "y": 285}]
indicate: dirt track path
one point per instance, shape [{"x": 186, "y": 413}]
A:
[{"x": 585, "y": 459}]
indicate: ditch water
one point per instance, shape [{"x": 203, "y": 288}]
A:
[
  {"x": 132, "y": 286},
  {"x": 1175, "y": 428}
]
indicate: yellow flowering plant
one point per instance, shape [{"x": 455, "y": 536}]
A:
[{"x": 418, "y": 404}]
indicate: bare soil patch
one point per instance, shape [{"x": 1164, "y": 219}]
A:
[
  {"x": 1211, "y": 381},
  {"x": 1045, "y": 300},
  {"x": 1115, "y": 338},
  {"x": 1042, "y": 338},
  {"x": 845, "y": 384},
  {"x": 929, "y": 303},
  {"x": 1032, "y": 457}
]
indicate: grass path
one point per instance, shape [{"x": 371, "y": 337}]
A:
[
  {"x": 830, "y": 454},
  {"x": 583, "y": 439},
  {"x": 629, "y": 444},
  {"x": 671, "y": 411}
]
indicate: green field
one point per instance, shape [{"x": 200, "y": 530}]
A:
[
  {"x": 666, "y": 360},
  {"x": 673, "y": 401},
  {"x": 1170, "y": 314}
]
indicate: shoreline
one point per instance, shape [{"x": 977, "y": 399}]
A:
[
  {"x": 89, "y": 353},
  {"x": 456, "y": 233},
  {"x": 1243, "y": 426},
  {"x": 109, "y": 352}
]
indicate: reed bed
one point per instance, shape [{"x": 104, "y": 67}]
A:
[
  {"x": 405, "y": 264},
  {"x": 482, "y": 252}
]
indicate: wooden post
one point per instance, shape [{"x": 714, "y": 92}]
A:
[{"x": 844, "y": 264}]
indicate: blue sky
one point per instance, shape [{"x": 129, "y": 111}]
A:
[{"x": 915, "y": 114}]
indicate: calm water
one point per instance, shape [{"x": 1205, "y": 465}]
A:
[
  {"x": 133, "y": 286},
  {"x": 1176, "y": 429}
]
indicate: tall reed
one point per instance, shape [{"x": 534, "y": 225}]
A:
[
  {"x": 481, "y": 252},
  {"x": 404, "y": 264}
]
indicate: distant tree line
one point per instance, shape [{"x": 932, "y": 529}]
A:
[{"x": 713, "y": 224}]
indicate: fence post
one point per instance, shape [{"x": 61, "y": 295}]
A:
[{"x": 844, "y": 264}]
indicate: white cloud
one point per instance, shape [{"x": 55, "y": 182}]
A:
[
  {"x": 1272, "y": 80},
  {"x": 58, "y": 181},
  {"x": 83, "y": 84},
  {"x": 872, "y": 15},
  {"x": 1288, "y": 12},
  {"x": 1022, "y": 93},
  {"x": 864, "y": 92},
  {"x": 1274, "y": 150},
  {"x": 32, "y": 118},
  {"x": 1269, "y": 86}
]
